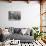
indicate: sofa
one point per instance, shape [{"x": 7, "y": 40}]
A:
[{"x": 17, "y": 34}]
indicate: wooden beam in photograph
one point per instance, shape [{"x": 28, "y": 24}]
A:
[
  {"x": 43, "y": 13},
  {"x": 42, "y": 1},
  {"x": 18, "y": 0},
  {"x": 40, "y": 23},
  {"x": 10, "y": 1}
]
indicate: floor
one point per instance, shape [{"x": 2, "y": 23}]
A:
[{"x": 35, "y": 43}]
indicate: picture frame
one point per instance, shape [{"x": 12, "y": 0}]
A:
[{"x": 14, "y": 15}]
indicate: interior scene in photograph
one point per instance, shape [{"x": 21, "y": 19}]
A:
[
  {"x": 23, "y": 23},
  {"x": 14, "y": 15}
]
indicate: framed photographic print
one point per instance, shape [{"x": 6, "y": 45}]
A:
[{"x": 14, "y": 15}]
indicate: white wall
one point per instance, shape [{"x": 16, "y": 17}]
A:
[{"x": 30, "y": 14}]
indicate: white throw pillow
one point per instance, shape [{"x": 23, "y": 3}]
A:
[
  {"x": 23, "y": 31},
  {"x": 5, "y": 32}
]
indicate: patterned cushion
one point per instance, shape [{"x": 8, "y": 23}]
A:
[{"x": 17, "y": 30}]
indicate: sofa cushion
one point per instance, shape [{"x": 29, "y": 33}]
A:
[
  {"x": 17, "y": 30},
  {"x": 22, "y": 38},
  {"x": 23, "y": 31},
  {"x": 11, "y": 30}
]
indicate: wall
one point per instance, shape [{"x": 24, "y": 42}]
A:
[{"x": 30, "y": 14}]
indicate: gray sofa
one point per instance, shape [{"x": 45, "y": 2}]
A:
[
  {"x": 22, "y": 38},
  {"x": 17, "y": 35}
]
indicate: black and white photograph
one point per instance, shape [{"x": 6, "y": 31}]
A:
[
  {"x": 14, "y": 15},
  {"x": 22, "y": 22}
]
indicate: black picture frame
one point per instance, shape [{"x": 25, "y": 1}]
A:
[{"x": 14, "y": 15}]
